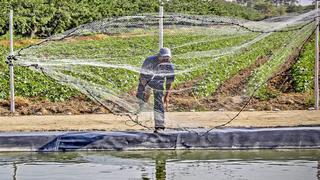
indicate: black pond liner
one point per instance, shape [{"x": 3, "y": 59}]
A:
[{"x": 233, "y": 138}]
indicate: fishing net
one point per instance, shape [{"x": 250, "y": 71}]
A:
[{"x": 103, "y": 59}]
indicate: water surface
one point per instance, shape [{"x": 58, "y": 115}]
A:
[{"x": 160, "y": 165}]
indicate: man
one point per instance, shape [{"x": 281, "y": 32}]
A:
[{"x": 155, "y": 72}]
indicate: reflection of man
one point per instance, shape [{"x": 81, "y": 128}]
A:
[
  {"x": 161, "y": 173},
  {"x": 154, "y": 72},
  {"x": 160, "y": 166}
]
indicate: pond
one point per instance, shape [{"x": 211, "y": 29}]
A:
[{"x": 160, "y": 165}]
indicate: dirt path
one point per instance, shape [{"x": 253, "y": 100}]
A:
[{"x": 108, "y": 122}]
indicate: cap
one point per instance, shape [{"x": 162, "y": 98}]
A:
[{"x": 165, "y": 52}]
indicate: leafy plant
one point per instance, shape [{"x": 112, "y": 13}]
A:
[{"x": 303, "y": 71}]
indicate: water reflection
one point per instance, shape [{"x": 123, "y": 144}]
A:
[
  {"x": 161, "y": 159},
  {"x": 318, "y": 172},
  {"x": 162, "y": 165},
  {"x": 14, "y": 177}
]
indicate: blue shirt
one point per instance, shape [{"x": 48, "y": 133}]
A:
[{"x": 156, "y": 73}]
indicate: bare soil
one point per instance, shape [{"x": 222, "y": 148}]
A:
[
  {"x": 174, "y": 120},
  {"x": 74, "y": 106}
]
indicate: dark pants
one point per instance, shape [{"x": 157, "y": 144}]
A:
[{"x": 158, "y": 103}]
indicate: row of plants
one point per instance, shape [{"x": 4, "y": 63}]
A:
[
  {"x": 29, "y": 83},
  {"x": 189, "y": 51},
  {"x": 303, "y": 71},
  {"x": 226, "y": 67},
  {"x": 279, "y": 56},
  {"x": 131, "y": 51}
]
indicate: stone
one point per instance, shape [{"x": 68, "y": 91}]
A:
[
  {"x": 38, "y": 113},
  {"x": 236, "y": 99},
  {"x": 44, "y": 111},
  {"x": 290, "y": 101},
  {"x": 6, "y": 114}
]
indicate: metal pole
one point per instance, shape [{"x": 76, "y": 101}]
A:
[
  {"x": 12, "y": 106},
  {"x": 316, "y": 66},
  {"x": 161, "y": 25}
]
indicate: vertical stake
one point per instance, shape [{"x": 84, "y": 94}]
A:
[
  {"x": 12, "y": 104},
  {"x": 161, "y": 25}
]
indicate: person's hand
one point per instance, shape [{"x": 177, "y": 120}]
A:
[
  {"x": 143, "y": 82},
  {"x": 166, "y": 102}
]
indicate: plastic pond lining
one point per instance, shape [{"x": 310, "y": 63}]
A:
[{"x": 233, "y": 139}]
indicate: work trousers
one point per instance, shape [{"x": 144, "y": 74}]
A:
[{"x": 158, "y": 108}]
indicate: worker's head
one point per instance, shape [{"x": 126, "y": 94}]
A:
[{"x": 164, "y": 55}]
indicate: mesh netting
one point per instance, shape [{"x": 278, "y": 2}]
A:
[{"x": 103, "y": 59}]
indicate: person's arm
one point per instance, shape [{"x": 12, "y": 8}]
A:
[
  {"x": 143, "y": 80},
  {"x": 167, "y": 95},
  {"x": 169, "y": 81}
]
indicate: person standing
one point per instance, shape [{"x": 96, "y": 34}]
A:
[{"x": 157, "y": 74}]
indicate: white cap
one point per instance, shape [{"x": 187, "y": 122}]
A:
[{"x": 165, "y": 52}]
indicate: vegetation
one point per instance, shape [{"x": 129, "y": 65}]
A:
[
  {"x": 122, "y": 80},
  {"x": 212, "y": 72},
  {"x": 44, "y": 18},
  {"x": 279, "y": 57},
  {"x": 47, "y": 17},
  {"x": 29, "y": 83},
  {"x": 275, "y": 7},
  {"x": 303, "y": 71},
  {"x": 229, "y": 66}
]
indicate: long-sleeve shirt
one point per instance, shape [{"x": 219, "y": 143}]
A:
[{"x": 155, "y": 73}]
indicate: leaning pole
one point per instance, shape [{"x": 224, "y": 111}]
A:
[{"x": 316, "y": 68}]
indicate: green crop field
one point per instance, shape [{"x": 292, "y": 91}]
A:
[
  {"x": 131, "y": 49},
  {"x": 29, "y": 83},
  {"x": 204, "y": 57}
]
